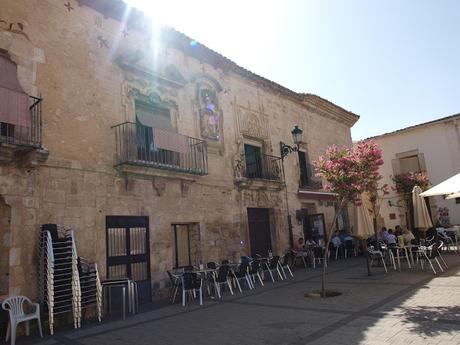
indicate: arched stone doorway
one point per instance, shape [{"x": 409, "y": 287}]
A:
[{"x": 5, "y": 243}]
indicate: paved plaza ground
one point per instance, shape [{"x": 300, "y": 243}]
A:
[{"x": 408, "y": 307}]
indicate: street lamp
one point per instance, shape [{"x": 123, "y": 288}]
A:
[{"x": 285, "y": 150}]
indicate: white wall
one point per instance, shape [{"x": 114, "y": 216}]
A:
[{"x": 440, "y": 144}]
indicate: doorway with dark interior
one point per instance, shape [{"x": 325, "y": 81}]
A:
[{"x": 259, "y": 231}]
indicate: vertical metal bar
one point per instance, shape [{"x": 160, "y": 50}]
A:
[{"x": 175, "y": 245}]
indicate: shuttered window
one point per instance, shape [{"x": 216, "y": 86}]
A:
[
  {"x": 410, "y": 164},
  {"x": 14, "y": 109},
  {"x": 151, "y": 116}
]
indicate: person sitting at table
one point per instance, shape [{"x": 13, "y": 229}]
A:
[
  {"x": 391, "y": 239},
  {"x": 408, "y": 236},
  {"x": 398, "y": 231},
  {"x": 347, "y": 237},
  {"x": 298, "y": 246},
  {"x": 384, "y": 232},
  {"x": 336, "y": 241}
]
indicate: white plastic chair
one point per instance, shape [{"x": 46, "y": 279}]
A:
[{"x": 15, "y": 307}]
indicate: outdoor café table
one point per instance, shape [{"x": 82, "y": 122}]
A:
[
  {"x": 128, "y": 291},
  {"x": 202, "y": 272}
]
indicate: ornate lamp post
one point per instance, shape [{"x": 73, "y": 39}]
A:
[{"x": 285, "y": 151}]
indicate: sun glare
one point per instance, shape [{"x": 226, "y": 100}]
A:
[{"x": 232, "y": 28}]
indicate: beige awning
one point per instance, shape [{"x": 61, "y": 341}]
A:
[{"x": 422, "y": 218}]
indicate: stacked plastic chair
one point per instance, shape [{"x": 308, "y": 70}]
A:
[{"x": 65, "y": 284}]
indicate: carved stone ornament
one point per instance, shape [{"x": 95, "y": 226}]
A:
[
  {"x": 159, "y": 185},
  {"x": 253, "y": 124},
  {"x": 261, "y": 198}
]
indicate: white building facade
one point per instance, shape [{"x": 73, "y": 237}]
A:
[{"x": 432, "y": 147}]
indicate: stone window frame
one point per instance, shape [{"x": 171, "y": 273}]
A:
[
  {"x": 396, "y": 163},
  {"x": 148, "y": 95}
]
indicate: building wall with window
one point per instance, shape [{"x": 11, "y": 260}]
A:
[
  {"x": 433, "y": 148},
  {"x": 134, "y": 126}
]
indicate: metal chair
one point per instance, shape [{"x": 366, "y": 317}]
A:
[
  {"x": 254, "y": 271},
  {"x": 241, "y": 273},
  {"x": 442, "y": 234},
  {"x": 176, "y": 282},
  {"x": 222, "y": 277},
  {"x": 272, "y": 266},
  {"x": 191, "y": 282},
  {"x": 284, "y": 263},
  {"x": 376, "y": 254},
  {"x": 318, "y": 255},
  {"x": 15, "y": 307}
]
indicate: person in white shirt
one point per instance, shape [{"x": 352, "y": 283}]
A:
[
  {"x": 408, "y": 236},
  {"x": 309, "y": 242}
]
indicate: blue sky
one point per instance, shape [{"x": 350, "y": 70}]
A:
[{"x": 395, "y": 63}]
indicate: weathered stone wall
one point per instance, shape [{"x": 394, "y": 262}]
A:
[{"x": 72, "y": 59}]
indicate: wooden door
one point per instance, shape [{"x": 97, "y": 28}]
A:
[{"x": 259, "y": 231}]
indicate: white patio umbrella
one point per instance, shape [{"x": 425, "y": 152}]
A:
[
  {"x": 449, "y": 186},
  {"x": 422, "y": 218},
  {"x": 364, "y": 223}
]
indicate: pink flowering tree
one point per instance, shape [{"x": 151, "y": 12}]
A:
[
  {"x": 349, "y": 172},
  {"x": 405, "y": 183}
]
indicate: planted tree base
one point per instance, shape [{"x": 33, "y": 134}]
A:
[{"x": 317, "y": 294}]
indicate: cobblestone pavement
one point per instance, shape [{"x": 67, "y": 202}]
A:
[{"x": 408, "y": 307}]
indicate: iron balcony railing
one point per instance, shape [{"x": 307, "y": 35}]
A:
[
  {"x": 137, "y": 144},
  {"x": 308, "y": 179},
  {"x": 29, "y": 135},
  {"x": 265, "y": 167}
]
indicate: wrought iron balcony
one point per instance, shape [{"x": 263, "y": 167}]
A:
[
  {"x": 28, "y": 136},
  {"x": 137, "y": 144},
  {"x": 264, "y": 167},
  {"x": 308, "y": 180}
]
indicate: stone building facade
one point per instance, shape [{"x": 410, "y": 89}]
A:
[{"x": 157, "y": 127}]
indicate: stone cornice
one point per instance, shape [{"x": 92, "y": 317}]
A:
[
  {"x": 329, "y": 110},
  {"x": 174, "y": 39}
]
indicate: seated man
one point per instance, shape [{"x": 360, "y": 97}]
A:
[
  {"x": 391, "y": 239},
  {"x": 336, "y": 241},
  {"x": 348, "y": 238},
  {"x": 384, "y": 233}
]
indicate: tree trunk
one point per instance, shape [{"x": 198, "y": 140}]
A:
[{"x": 326, "y": 250}]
